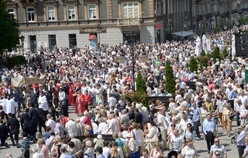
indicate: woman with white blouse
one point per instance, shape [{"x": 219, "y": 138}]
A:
[{"x": 189, "y": 150}]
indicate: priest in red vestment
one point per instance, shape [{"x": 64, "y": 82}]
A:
[
  {"x": 87, "y": 99},
  {"x": 80, "y": 103},
  {"x": 71, "y": 98}
]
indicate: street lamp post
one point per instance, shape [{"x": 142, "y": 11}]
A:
[
  {"x": 22, "y": 42},
  {"x": 122, "y": 58}
]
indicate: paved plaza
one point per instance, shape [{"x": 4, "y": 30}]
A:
[{"x": 200, "y": 145}]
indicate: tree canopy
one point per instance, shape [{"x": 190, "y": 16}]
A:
[{"x": 9, "y": 29}]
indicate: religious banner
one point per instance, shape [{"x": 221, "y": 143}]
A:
[{"x": 19, "y": 80}]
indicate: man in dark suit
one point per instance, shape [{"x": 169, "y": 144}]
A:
[
  {"x": 25, "y": 122},
  {"x": 13, "y": 126},
  {"x": 55, "y": 108},
  {"x": 41, "y": 119},
  {"x": 33, "y": 114},
  {"x": 3, "y": 133}
]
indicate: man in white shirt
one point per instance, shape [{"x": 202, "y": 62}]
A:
[
  {"x": 184, "y": 121},
  {"x": 113, "y": 125},
  {"x": 50, "y": 122},
  {"x": 112, "y": 101},
  {"x": 103, "y": 126},
  {"x": 217, "y": 147},
  {"x": 71, "y": 127},
  {"x": 43, "y": 104},
  {"x": 240, "y": 140}
]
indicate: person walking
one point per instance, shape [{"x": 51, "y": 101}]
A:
[
  {"x": 196, "y": 119},
  {"x": 218, "y": 147},
  {"x": 25, "y": 146},
  {"x": 240, "y": 140},
  {"x": 3, "y": 133},
  {"x": 13, "y": 126},
  {"x": 25, "y": 122},
  {"x": 33, "y": 115},
  {"x": 162, "y": 124},
  {"x": 208, "y": 130}
]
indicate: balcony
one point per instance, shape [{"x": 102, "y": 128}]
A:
[{"x": 129, "y": 21}]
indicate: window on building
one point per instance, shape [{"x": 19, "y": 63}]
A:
[
  {"x": 30, "y": 14},
  {"x": 130, "y": 9},
  {"x": 52, "y": 41},
  {"x": 50, "y": 13},
  {"x": 92, "y": 11},
  {"x": 72, "y": 40},
  {"x": 11, "y": 12},
  {"x": 71, "y": 12}
]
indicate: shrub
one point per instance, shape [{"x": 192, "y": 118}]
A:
[
  {"x": 140, "y": 83},
  {"x": 203, "y": 61},
  {"x": 215, "y": 54},
  {"x": 224, "y": 54},
  {"x": 193, "y": 65},
  {"x": 170, "y": 84},
  {"x": 137, "y": 97},
  {"x": 15, "y": 60}
]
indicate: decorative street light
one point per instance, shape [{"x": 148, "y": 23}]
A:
[{"x": 22, "y": 42}]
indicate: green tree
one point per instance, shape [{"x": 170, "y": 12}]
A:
[
  {"x": 193, "y": 65},
  {"x": 224, "y": 54},
  {"x": 216, "y": 54},
  {"x": 9, "y": 32},
  {"x": 140, "y": 83},
  {"x": 170, "y": 84}
]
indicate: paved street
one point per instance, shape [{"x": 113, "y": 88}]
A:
[{"x": 200, "y": 145}]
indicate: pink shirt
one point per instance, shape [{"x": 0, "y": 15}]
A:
[{"x": 45, "y": 151}]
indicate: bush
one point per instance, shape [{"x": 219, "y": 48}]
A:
[
  {"x": 170, "y": 84},
  {"x": 193, "y": 65},
  {"x": 15, "y": 60},
  {"x": 203, "y": 61},
  {"x": 216, "y": 30},
  {"x": 215, "y": 54},
  {"x": 224, "y": 54},
  {"x": 137, "y": 97},
  {"x": 140, "y": 83},
  {"x": 203, "y": 53}
]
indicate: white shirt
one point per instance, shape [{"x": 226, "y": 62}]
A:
[
  {"x": 102, "y": 128},
  {"x": 38, "y": 155},
  {"x": 113, "y": 125},
  {"x": 183, "y": 123},
  {"x": 9, "y": 106},
  {"x": 112, "y": 101},
  {"x": 43, "y": 103},
  {"x": 51, "y": 123},
  {"x": 71, "y": 127},
  {"x": 62, "y": 96},
  {"x": 105, "y": 151},
  {"x": 164, "y": 124},
  {"x": 188, "y": 152}
]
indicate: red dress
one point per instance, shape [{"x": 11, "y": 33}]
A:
[
  {"x": 71, "y": 98},
  {"x": 79, "y": 104}
]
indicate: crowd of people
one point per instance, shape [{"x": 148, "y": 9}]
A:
[{"x": 94, "y": 82}]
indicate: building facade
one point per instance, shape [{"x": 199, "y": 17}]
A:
[{"x": 70, "y": 23}]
